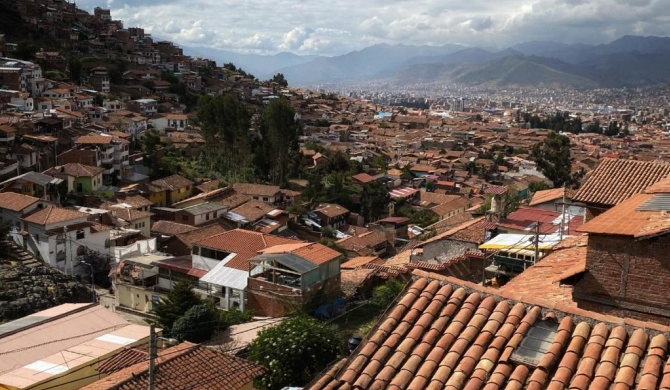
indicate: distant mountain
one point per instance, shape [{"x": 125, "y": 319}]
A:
[
  {"x": 579, "y": 53},
  {"x": 471, "y": 55},
  {"x": 627, "y": 61},
  {"x": 510, "y": 70},
  {"x": 361, "y": 64},
  {"x": 261, "y": 66}
]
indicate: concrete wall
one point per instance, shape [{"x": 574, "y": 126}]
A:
[{"x": 446, "y": 249}]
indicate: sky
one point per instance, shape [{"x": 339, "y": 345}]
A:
[{"x": 333, "y": 27}]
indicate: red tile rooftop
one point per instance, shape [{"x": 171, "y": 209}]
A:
[{"x": 449, "y": 334}]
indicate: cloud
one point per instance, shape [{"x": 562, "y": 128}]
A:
[
  {"x": 312, "y": 27},
  {"x": 294, "y": 39}
]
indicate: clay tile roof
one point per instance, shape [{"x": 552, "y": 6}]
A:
[
  {"x": 366, "y": 240},
  {"x": 448, "y": 334},
  {"x": 252, "y": 210},
  {"x": 94, "y": 139},
  {"x": 185, "y": 366},
  {"x": 361, "y": 260},
  {"x": 543, "y": 279},
  {"x": 76, "y": 170},
  {"x": 245, "y": 243},
  {"x": 626, "y": 219},
  {"x": 136, "y": 201},
  {"x": 313, "y": 252},
  {"x": 363, "y": 177},
  {"x": 545, "y": 196},
  {"x": 331, "y": 210},
  {"x": 169, "y": 228},
  {"x": 200, "y": 234},
  {"x": 16, "y": 202},
  {"x": 256, "y": 189},
  {"x": 172, "y": 183},
  {"x": 52, "y": 214},
  {"x": 469, "y": 231},
  {"x": 615, "y": 180}
]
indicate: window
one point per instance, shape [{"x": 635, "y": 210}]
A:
[
  {"x": 80, "y": 234},
  {"x": 37, "y": 237},
  {"x": 265, "y": 199},
  {"x": 214, "y": 214},
  {"x": 536, "y": 343},
  {"x": 207, "y": 217}
]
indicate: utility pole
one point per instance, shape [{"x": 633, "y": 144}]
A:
[
  {"x": 562, "y": 214},
  {"x": 152, "y": 357},
  {"x": 537, "y": 241},
  {"x": 93, "y": 297}
]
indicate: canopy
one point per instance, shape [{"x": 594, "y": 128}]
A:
[{"x": 521, "y": 241}]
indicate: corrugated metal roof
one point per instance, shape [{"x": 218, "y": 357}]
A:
[
  {"x": 221, "y": 275},
  {"x": 296, "y": 263},
  {"x": 659, "y": 202}
]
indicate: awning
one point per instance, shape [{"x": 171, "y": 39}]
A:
[{"x": 521, "y": 241}]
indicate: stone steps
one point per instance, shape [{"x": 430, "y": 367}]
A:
[{"x": 23, "y": 257}]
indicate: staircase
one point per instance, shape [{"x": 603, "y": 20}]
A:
[{"x": 21, "y": 256}]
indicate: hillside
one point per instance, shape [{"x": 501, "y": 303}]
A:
[{"x": 512, "y": 70}]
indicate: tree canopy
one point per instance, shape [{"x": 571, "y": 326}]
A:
[
  {"x": 280, "y": 79},
  {"x": 293, "y": 352},
  {"x": 178, "y": 301},
  {"x": 552, "y": 157}
]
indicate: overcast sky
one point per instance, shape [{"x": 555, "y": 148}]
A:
[{"x": 338, "y": 26}]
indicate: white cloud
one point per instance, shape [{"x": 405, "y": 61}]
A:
[{"x": 338, "y": 26}]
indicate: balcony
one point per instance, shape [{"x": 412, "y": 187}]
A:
[
  {"x": 8, "y": 168},
  {"x": 107, "y": 159}
]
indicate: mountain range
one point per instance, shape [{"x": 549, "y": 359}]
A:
[{"x": 630, "y": 61}]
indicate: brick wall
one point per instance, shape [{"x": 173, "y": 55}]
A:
[
  {"x": 627, "y": 274},
  {"x": 267, "y": 299}
]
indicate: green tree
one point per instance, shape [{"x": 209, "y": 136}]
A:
[
  {"x": 374, "y": 200},
  {"x": 225, "y": 123},
  {"x": 612, "y": 129},
  {"x": 552, "y": 157},
  {"x": 179, "y": 300},
  {"x": 293, "y": 352},
  {"x": 279, "y": 132},
  {"x": 384, "y": 295},
  {"x": 98, "y": 100},
  {"x": 593, "y": 127},
  {"x": 196, "y": 325},
  {"x": 279, "y": 79}
]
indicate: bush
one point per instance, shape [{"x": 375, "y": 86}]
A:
[
  {"x": 197, "y": 324},
  {"x": 385, "y": 294},
  {"x": 293, "y": 352}
]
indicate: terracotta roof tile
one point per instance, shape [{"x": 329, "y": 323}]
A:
[
  {"x": 51, "y": 214},
  {"x": 545, "y": 196},
  {"x": 626, "y": 219},
  {"x": 245, "y": 243},
  {"x": 615, "y": 180},
  {"x": 172, "y": 183},
  {"x": 543, "y": 279},
  {"x": 256, "y": 189},
  {"x": 169, "y": 228},
  {"x": 185, "y": 366},
  {"x": 313, "y": 252},
  {"x": 471, "y": 341},
  {"x": 75, "y": 170},
  {"x": 16, "y": 202}
]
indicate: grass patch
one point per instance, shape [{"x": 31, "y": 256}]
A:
[{"x": 359, "y": 320}]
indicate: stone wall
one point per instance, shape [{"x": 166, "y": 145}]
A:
[{"x": 26, "y": 290}]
